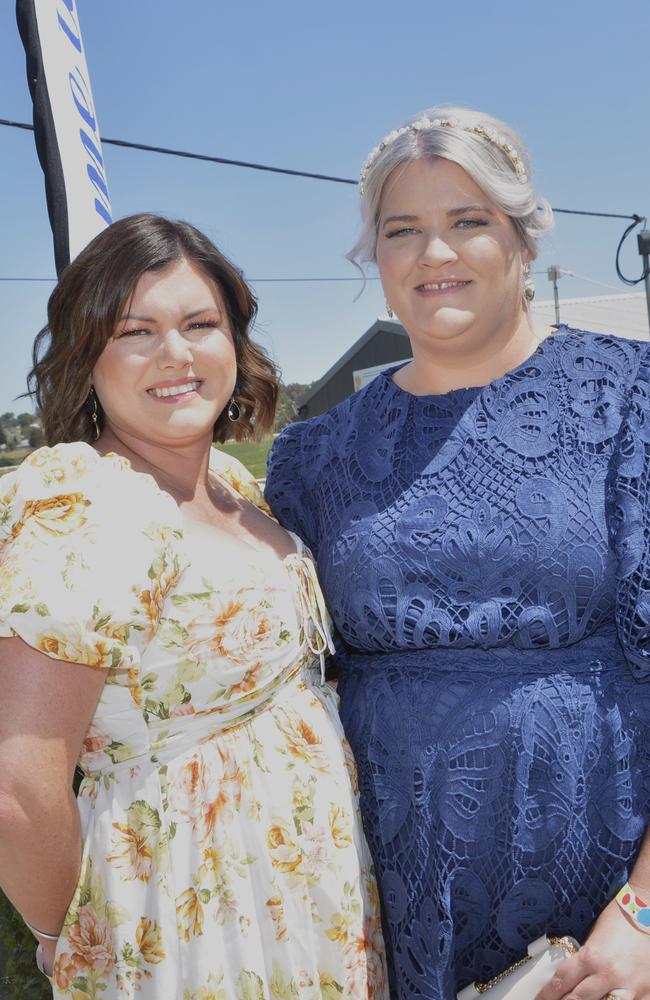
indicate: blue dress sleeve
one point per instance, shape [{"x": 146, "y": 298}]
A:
[
  {"x": 285, "y": 490},
  {"x": 631, "y": 504}
]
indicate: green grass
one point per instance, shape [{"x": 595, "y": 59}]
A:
[
  {"x": 252, "y": 454},
  {"x": 10, "y": 459}
]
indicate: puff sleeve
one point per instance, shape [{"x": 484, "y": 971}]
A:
[
  {"x": 285, "y": 489},
  {"x": 85, "y": 562},
  {"x": 240, "y": 478},
  {"x": 631, "y": 524}
]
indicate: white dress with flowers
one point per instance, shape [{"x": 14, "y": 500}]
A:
[{"x": 223, "y": 855}]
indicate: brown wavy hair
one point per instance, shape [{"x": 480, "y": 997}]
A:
[{"x": 84, "y": 310}]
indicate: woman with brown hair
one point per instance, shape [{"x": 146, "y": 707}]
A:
[{"x": 214, "y": 849}]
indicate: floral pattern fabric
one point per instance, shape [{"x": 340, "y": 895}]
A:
[
  {"x": 485, "y": 555},
  {"x": 222, "y": 856}
]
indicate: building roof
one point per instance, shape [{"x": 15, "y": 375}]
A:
[
  {"x": 381, "y": 323},
  {"x": 621, "y": 314}
]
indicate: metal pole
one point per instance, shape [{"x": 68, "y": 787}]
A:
[
  {"x": 643, "y": 240},
  {"x": 553, "y": 275}
]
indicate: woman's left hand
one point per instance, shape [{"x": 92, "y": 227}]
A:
[{"x": 615, "y": 959}]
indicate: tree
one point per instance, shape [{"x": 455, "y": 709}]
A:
[
  {"x": 3, "y": 436},
  {"x": 25, "y": 419},
  {"x": 287, "y": 411},
  {"x": 36, "y": 438}
]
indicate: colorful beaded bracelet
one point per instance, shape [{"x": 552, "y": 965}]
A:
[{"x": 636, "y": 908}]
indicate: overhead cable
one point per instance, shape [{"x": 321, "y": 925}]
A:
[
  {"x": 186, "y": 154},
  {"x": 280, "y": 170},
  {"x": 253, "y": 281},
  {"x": 201, "y": 156}
]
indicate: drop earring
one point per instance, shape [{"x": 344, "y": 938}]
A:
[
  {"x": 528, "y": 283},
  {"x": 389, "y": 311},
  {"x": 234, "y": 411},
  {"x": 94, "y": 411}
]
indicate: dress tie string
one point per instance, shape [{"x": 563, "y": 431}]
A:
[{"x": 313, "y": 612}]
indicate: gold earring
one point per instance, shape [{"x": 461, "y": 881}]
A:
[
  {"x": 389, "y": 311},
  {"x": 94, "y": 413}
]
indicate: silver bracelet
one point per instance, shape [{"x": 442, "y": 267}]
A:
[{"x": 41, "y": 934}]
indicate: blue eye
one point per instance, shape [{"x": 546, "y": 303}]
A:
[{"x": 470, "y": 223}]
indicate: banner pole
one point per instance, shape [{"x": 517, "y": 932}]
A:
[{"x": 65, "y": 125}]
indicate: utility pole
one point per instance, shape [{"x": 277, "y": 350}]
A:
[
  {"x": 643, "y": 239},
  {"x": 554, "y": 275}
]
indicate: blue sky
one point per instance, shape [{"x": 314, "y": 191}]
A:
[{"x": 314, "y": 86}]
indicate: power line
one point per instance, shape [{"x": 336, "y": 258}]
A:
[
  {"x": 591, "y": 281},
  {"x": 600, "y": 215},
  {"x": 253, "y": 281},
  {"x": 185, "y": 154}
]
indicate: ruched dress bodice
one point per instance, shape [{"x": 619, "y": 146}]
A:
[{"x": 485, "y": 557}]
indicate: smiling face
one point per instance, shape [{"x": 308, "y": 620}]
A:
[
  {"x": 450, "y": 261},
  {"x": 170, "y": 368}
]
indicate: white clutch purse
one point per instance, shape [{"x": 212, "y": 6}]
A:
[{"x": 524, "y": 979}]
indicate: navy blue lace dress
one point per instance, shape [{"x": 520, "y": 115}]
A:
[{"x": 486, "y": 558}]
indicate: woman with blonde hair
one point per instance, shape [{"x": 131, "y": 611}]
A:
[
  {"x": 480, "y": 518},
  {"x": 164, "y": 633}
]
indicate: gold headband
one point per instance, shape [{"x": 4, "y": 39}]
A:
[{"x": 424, "y": 124}]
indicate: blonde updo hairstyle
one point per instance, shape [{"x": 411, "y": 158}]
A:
[{"x": 487, "y": 164}]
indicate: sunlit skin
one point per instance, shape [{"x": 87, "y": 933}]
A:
[
  {"x": 175, "y": 332},
  {"x": 437, "y": 225}
]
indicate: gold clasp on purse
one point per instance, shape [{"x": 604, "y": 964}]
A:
[{"x": 522, "y": 980}]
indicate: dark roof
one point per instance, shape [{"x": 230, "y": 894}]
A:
[{"x": 381, "y": 324}]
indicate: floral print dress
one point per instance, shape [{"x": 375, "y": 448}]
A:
[{"x": 223, "y": 855}]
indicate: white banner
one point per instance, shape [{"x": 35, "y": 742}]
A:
[{"x": 65, "y": 121}]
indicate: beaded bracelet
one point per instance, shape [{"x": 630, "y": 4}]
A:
[{"x": 634, "y": 907}]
